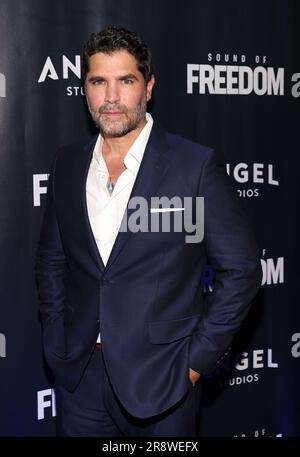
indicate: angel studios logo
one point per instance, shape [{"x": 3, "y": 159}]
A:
[
  {"x": 239, "y": 74},
  {"x": 63, "y": 68},
  {"x": 251, "y": 178},
  {"x": 248, "y": 366}
]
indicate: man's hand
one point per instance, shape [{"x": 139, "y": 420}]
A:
[{"x": 194, "y": 376}]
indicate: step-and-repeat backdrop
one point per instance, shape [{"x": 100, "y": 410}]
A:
[{"x": 228, "y": 76}]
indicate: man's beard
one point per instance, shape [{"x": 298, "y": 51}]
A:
[{"x": 128, "y": 121}]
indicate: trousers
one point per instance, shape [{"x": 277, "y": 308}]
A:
[{"x": 94, "y": 410}]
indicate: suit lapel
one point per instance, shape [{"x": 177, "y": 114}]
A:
[{"x": 150, "y": 174}]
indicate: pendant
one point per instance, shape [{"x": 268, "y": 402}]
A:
[{"x": 110, "y": 185}]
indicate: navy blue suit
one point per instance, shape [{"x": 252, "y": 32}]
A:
[{"x": 154, "y": 321}]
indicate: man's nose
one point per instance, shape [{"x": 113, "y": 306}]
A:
[{"x": 112, "y": 94}]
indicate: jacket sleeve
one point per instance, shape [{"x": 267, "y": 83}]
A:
[
  {"x": 233, "y": 254},
  {"x": 50, "y": 272}
]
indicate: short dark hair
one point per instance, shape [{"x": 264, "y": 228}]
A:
[{"x": 115, "y": 39}]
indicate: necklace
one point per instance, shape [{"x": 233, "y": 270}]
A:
[{"x": 110, "y": 185}]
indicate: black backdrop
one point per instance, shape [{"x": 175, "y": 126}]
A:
[{"x": 201, "y": 50}]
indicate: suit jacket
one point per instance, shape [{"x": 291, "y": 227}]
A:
[{"x": 155, "y": 322}]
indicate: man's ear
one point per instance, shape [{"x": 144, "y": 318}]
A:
[{"x": 149, "y": 87}]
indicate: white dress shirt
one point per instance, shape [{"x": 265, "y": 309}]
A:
[{"x": 106, "y": 210}]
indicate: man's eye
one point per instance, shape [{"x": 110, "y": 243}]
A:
[
  {"x": 97, "y": 82},
  {"x": 127, "y": 82}
]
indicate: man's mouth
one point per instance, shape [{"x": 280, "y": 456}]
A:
[{"x": 112, "y": 113}]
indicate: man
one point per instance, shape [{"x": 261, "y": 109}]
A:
[{"x": 126, "y": 329}]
